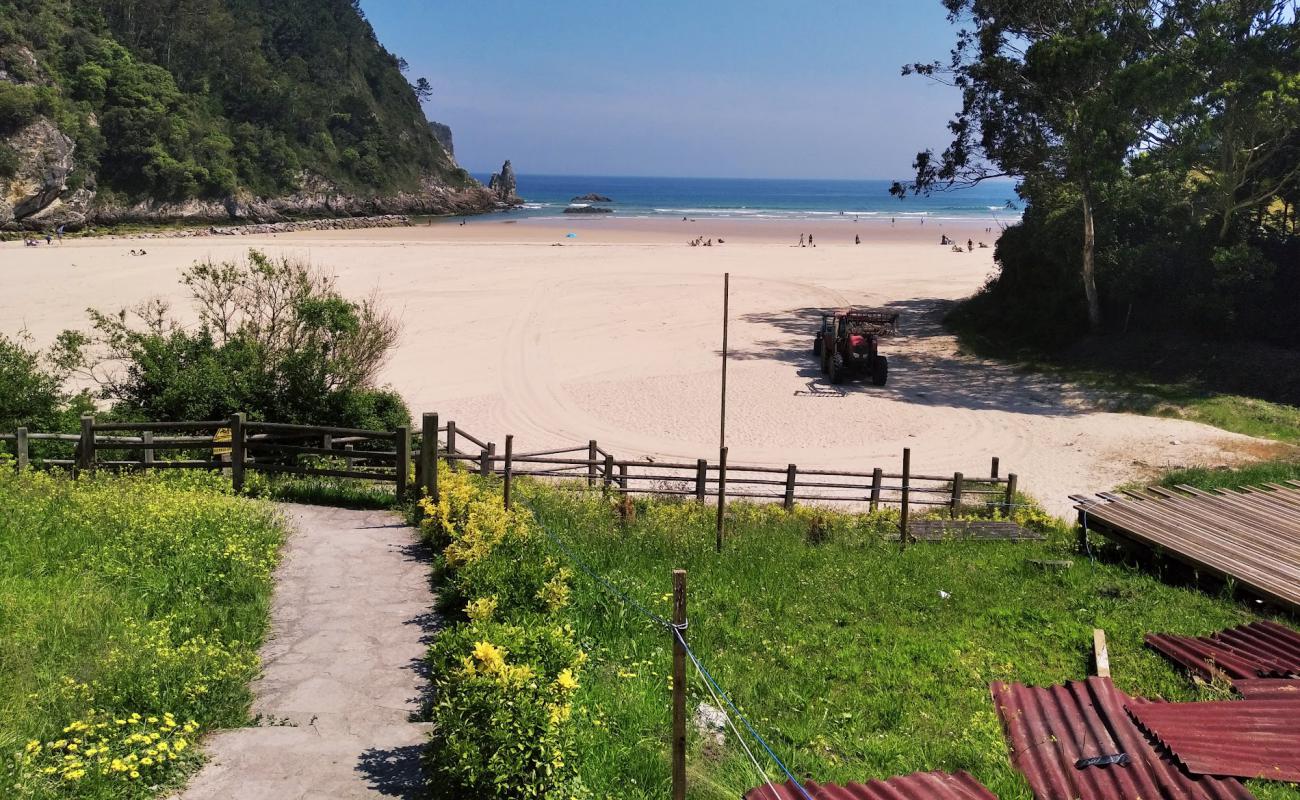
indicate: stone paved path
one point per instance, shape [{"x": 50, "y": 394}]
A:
[{"x": 351, "y": 618}]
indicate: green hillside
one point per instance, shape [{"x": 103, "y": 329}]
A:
[{"x": 181, "y": 100}]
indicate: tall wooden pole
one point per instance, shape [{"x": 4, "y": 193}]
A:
[
  {"x": 722, "y": 427},
  {"x": 509, "y": 469},
  {"x": 429, "y": 456},
  {"x": 679, "y": 686},
  {"x": 722, "y": 495},
  {"x": 907, "y": 483},
  {"x": 726, "y": 307},
  {"x": 238, "y": 454}
]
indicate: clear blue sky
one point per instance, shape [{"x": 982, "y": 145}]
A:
[{"x": 734, "y": 88}]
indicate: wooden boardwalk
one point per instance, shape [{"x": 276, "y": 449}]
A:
[{"x": 1251, "y": 535}]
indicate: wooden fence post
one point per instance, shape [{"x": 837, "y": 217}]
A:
[
  {"x": 429, "y": 456},
  {"x": 402, "y": 460},
  {"x": 147, "y": 455},
  {"x": 21, "y": 451},
  {"x": 485, "y": 460},
  {"x": 907, "y": 478},
  {"x": 790, "y": 473},
  {"x": 237, "y": 451},
  {"x": 591, "y": 463},
  {"x": 1011, "y": 492},
  {"x": 877, "y": 476},
  {"x": 722, "y": 495},
  {"x": 955, "y": 503},
  {"x": 679, "y": 685},
  {"x": 609, "y": 469},
  {"x": 452, "y": 462},
  {"x": 327, "y": 441},
  {"x": 701, "y": 479},
  {"x": 508, "y": 471},
  {"x": 622, "y": 476},
  {"x": 86, "y": 457},
  {"x": 993, "y": 469},
  {"x": 347, "y": 448}
]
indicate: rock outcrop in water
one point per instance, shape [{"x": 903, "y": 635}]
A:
[
  {"x": 505, "y": 187},
  {"x": 588, "y": 210},
  {"x": 591, "y": 197}
]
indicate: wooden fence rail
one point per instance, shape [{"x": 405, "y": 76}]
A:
[{"x": 395, "y": 456}]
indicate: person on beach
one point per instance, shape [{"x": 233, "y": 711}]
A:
[
  {"x": 970, "y": 246},
  {"x": 49, "y": 238},
  {"x": 59, "y": 233},
  {"x": 857, "y": 239},
  {"x": 801, "y": 240},
  {"x": 810, "y": 241}
]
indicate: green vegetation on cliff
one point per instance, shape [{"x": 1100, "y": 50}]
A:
[{"x": 210, "y": 98}]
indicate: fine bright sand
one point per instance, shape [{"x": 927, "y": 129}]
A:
[{"x": 615, "y": 335}]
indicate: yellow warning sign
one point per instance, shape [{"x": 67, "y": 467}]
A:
[{"x": 222, "y": 435}]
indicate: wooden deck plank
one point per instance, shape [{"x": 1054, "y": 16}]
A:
[{"x": 1251, "y": 536}]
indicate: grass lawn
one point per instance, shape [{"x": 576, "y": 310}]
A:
[
  {"x": 842, "y": 652},
  {"x": 1231, "y": 412},
  {"x": 131, "y": 610},
  {"x": 1249, "y": 475}
]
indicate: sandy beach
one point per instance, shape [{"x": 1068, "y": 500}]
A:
[{"x": 614, "y": 334}]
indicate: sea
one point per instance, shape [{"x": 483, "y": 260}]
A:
[{"x": 761, "y": 198}]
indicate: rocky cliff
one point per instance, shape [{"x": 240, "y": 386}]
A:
[
  {"x": 442, "y": 133},
  {"x": 256, "y": 110}
]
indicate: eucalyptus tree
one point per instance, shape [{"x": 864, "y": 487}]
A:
[{"x": 1063, "y": 90}]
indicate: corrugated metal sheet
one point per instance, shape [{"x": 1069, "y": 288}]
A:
[
  {"x": 1252, "y": 535},
  {"x": 1268, "y": 688},
  {"x": 917, "y": 786},
  {"x": 1246, "y": 738},
  {"x": 1049, "y": 729},
  {"x": 1258, "y": 650}
]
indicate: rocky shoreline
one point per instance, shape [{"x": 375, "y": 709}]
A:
[{"x": 270, "y": 228}]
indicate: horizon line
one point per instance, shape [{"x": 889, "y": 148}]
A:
[{"x": 704, "y": 177}]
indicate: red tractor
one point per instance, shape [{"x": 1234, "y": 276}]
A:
[{"x": 847, "y": 344}]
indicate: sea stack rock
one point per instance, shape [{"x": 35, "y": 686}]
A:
[
  {"x": 591, "y": 197},
  {"x": 504, "y": 186}
]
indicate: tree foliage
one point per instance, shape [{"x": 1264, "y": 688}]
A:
[
  {"x": 190, "y": 98},
  {"x": 1157, "y": 145},
  {"x": 275, "y": 339},
  {"x": 32, "y": 392}
]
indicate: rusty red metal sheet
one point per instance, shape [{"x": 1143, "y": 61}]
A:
[
  {"x": 1246, "y": 738},
  {"x": 1258, "y": 650},
  {"x": 917, "y": 786},
  {"x": 1050, "y": 729},
  {"x": 1268, "y": 688}
]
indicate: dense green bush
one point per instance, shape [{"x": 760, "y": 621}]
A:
[
  {"x": 31, "y": 390},
  {"x": 504, "y": 678},
  {"x": 275, "y": 340},
  {"x": 503, "y": 712},
  {"x": 1160, "y": 268}
]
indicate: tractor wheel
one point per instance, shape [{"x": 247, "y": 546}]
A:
[
  {"x": 837, "y": 368},
  {"x": 825, "y": 361},
  {"x": 880, "y": 371},
  {"x": 817, "y": 346}
]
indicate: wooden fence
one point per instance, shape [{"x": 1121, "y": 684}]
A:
[{"x": 312, "y": 450}]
